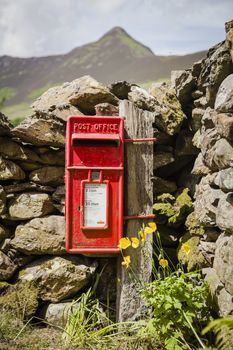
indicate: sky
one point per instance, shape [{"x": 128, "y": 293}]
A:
[{"x": 47, "y": 27}]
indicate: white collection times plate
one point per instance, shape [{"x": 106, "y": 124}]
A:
[{"x": 95, "y": 205}]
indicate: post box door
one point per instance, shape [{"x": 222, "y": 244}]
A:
[{"x": 94, "y": 184}]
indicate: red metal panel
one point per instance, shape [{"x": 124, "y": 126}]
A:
[{"x": 82, "y": 159}]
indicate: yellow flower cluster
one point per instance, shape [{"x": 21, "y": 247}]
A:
[
  {"x": 134, "y": 242},
  {"x": 163, "y": 263},
  {"x": 185, "y": 248}
]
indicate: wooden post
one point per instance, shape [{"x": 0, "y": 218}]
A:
[{"x": 138, "y": 200}]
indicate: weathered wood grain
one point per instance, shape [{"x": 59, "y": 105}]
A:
[{"x": 138, "y": 200}]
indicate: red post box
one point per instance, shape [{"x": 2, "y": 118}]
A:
[{"x": 94, "y": 184}]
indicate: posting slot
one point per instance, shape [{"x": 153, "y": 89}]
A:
[{"x": 95, "y": 140}]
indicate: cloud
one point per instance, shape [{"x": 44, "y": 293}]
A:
[{"x": 34, "y": 28}]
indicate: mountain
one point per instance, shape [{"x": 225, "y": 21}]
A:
[{"x": 115, "y": 56}]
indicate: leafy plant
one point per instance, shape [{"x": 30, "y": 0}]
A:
[
  {"x": 223, "y": 329},
  {"x": 87, "y": 319},
  {"x": 179, "y": 308},
  {"x": 88, "y": 327}
]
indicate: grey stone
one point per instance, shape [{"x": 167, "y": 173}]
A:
[
  {"x": 184, "y": 145},
  {"x": 199, "y": 168},
  {"x": 51, "y": 157},
  {"x": 184, "y": 84},
  {"x": 162, "y": 138},
  {"x": 163, "y": 186},
  {"x": 55, "y": 101},
  {"x": 41, "y": 236},
  {"x": 41, "y": 131},
  {"x": 2, "y": 200},
  {"x": 10, "y": 170},
  {"x": 57, "y": 314},
  {"x": 5, "y": 245},
  {"x": 196, "y": 69},
  {"x": 87, "y": 92},
  {"x": 211, "y": 234},
  {"x": 220, "y": 155},
  {"x": 208, "y": 119},
  {"x": 200, "y": 102},
  {"x": 142, "y": 99},
  {"x": 187, "y": 179},
  {"x": 4, "y": 233},
  {"x": 224, "y": 180},
  {"x": 30, "y": 205},
  {"x": 163, "y": 102},
  {"x": 224, "y": 125},
  {"x": 208, "y": 140},
  {"x": 197, "y": 138},
  {"x": 197, "y": 94},
  {"x": 18, "y": 258},
  {"x": 28, "y": 166},
  {"x": 59, "y": 195},
  {"x": 13, "y": 150},
  {"x": 206, "y": 202},
  {"x": 106, "y": 109},
  {"x": 60, "y": 277},
  {"x": 7, "y": 267},
  {"x": 229, "y": 37},
  {"x": 162, "y": 158},
  {"x": 224, "y": 98},
  {"x": 197, "y": 114},
  {"x": 27, "y": 186},
  {"x": 120, "y": 89},
  {"x": 169, "y": 116},
  {"x": 5, "y": 125},
  {"x": 223, "y": 261},
  {"x": 223, "y": 301},
  {"x": 224, "y": 213},
  {"x": 50, "y": 175},
  {"x": 215, "y": 68},
  {"x": 208, "y": 250}
]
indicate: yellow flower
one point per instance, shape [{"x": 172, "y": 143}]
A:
[
  {"x": 163, "y": 263},
  {"x": 185, "y": 248},
  {"x": 124, "y": 243},
  {"x": 126, "y": 261},
  {"x": 143, "y": 235},
  {"x": 148, "y": 230},
  {"x": 135, "y": 242},
  {"x": 153, "y": 226}
]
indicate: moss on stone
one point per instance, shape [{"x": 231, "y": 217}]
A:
[
  {"x": 175, "y": 209},
  {"x": 171, "y": 114},
  {"x": 166, "y": 198},
  {"x": 20, "y": 299},
  {"x": 193, "y": 225},
  {"x": 164, "y": 209},
  {"x": 183, "y": 199},
  {"x": 3, "y": 286},
  {"x": 194, "y": 259}
]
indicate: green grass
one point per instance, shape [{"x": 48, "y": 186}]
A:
[
  {"x": 138, "y": 49},
  {"x": 17, "y": 112},
  {"x": 5, "y": 94},
  {"x": 39, "y": 91},
  {"x": 146, "y": 85}
]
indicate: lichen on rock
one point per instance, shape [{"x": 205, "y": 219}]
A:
[
  {"x": 174, "y": 208},
  {"x": 20, "y": 299}
]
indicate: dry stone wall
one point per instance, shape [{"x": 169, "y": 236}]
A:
[{"x": 193, "y": 186}]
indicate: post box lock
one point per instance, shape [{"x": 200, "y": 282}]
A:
[{"x": 94, "y": 184}]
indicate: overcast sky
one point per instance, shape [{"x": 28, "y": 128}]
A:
[{"x": 43, "y": 27}]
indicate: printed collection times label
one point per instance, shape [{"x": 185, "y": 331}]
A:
[{"x": 95, "y": 205}]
